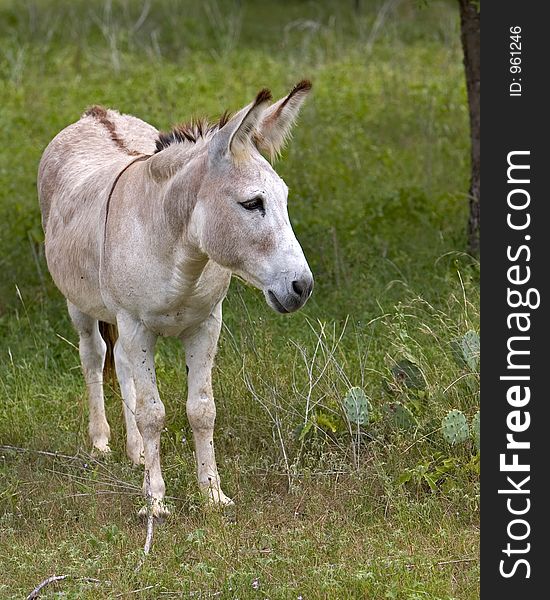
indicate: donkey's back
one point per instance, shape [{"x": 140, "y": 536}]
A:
[{"x": 75, "y": 176}]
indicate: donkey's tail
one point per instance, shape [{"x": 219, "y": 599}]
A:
[{"x": 109, "y": 333}]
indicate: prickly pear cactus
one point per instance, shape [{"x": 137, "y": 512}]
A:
[
  {"x": 408, "y": 374},
  {"x": 357, "y": 406},
  {"x": 455, "y": 427},
  {"x": 476, "y": 429},
  {"x": 466, "y": 350},
  {"x": 399, "y": 415}
]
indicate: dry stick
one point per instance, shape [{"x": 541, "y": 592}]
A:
[
  {"x": 150, "y": 521},
  {"x": 87, "y": 494},
  {"x": 36, "y": 592},
  {"x": 149, "y": 536},
  {"x": 115, "y": 482},
  {"x": 43, "y": 584},
  {"x": 43, "y": 452},
  {"x": 150, "y": 518},
  {"x": 447, "y": 562},
  {"x": 458, "y": 560},
  {"x": 143, "y": 589},
  {"x": 420, "y": 440},
  {"x": 82, "y": 480}
]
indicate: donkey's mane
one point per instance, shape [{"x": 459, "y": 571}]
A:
[{"x": 192, "y": 131}]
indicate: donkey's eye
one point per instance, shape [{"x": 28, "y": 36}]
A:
[{"x": 254, "y": 204}]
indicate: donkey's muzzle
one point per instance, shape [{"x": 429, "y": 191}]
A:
[{"x": 292, "y": 299}]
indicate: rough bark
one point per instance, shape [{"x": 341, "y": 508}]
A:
[{"x": 469, "y": 27}]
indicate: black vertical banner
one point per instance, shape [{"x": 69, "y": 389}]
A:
[{"x": 515, "y": 250}]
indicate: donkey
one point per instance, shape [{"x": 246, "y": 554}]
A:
[{"x": 143, "y": 230}]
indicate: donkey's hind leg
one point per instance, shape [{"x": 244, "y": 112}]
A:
[
  {"x": 134, "y": 441},
  {"x": 92, "y": 356}
]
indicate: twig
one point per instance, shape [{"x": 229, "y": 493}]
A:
[
  {"x": 112, "y": 484},
  {"x": 420, "y": 439},
  {"x": 457, "y": 380},
  {"x": 149, "y": 536},
  {"x": 93, "y": 494},
  {"x": 143, "y": 589},
  {"x": 458, "y": 560},
  {"x": 43, "y": 584},
  {"x": 43, "y": 452},
  {"x": 150, "y": 521},
  {"x": 36, "y": 592},
  {"x": 142, "y": 17},
  {"x": 277, "y": 423},
  {"x": 447, "y": 562},
  {"x": 385, "y": 9}
]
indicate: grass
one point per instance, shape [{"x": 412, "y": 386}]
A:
[{"x": 378, "y": 170}]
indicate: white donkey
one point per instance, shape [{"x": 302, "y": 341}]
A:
[{"x": 143, "y": 230}]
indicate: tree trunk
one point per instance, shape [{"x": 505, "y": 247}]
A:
[{"x": 469, "y": 28}]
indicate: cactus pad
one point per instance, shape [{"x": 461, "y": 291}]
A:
[
  {"x": 455, "y": 427},
  {"x": 399, "y": 415},
  {"x": 466, "y": 350},
  {"x": 357, "y": 406},
  {"x": 408, "y": 374}
]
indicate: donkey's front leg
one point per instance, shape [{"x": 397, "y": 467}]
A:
[
  {"x": 200, "y": 349},
  {"x": 125, "y": 375},
  {"x": 138, "y": 344}
]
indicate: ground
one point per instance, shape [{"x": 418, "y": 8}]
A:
[{"x": 378, "y": 175}]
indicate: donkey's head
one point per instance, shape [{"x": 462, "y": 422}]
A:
[{"x": 240, "y": 219}]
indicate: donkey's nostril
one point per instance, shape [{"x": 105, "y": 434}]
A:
[
  {"x": 300, "y": 287},
  {"x": 293, "y": 297}
]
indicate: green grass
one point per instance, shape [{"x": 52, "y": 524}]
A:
[{"x": 378, "y": 173}]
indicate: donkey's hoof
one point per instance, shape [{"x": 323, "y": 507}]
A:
[
  {"x": 224, "y": 501},
  {"x": 101, "y": 450},
  {"x": 134, "y": 449},
  {"x": 216, "y": 498},
  {"x": 220, "y": 503},
  {"x": 157, "y": 509},
  {"x": 136, "y": 458}
]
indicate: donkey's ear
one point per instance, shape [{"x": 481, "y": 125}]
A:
[
  {"x": 276, "y": 124},
  {"x": 235, "y": 136}
]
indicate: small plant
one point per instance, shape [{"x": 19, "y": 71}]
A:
[
  {"x": 321, "y": 420},
  {"x": 419, "y": 475},
  {"x": 327, "y": 422},
  {"x": 440, "y": 472},
  {"x": 454, "y": 427}
]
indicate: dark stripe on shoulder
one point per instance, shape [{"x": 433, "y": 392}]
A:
[{"x": 100, "y": 113}]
